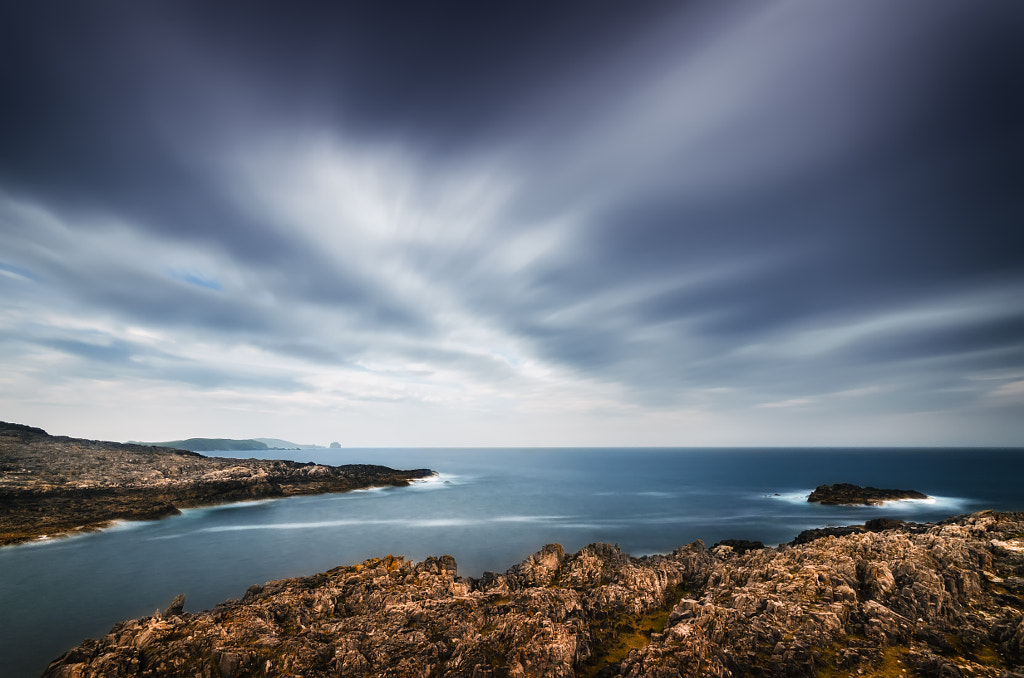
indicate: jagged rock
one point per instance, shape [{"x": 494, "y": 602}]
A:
[
  {"x": 873, "y": 525},
  {"x": 176, "y": 607},
  {"x": 740, "y": 545},
  {"x": 927, "y": 599}
]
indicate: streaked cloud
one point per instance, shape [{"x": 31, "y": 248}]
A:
[{"x": 712, "y": 223}]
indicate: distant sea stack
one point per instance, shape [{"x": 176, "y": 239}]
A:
[
  {"x": 846, "y": 494},
  {"x": 335, "y": 446}
]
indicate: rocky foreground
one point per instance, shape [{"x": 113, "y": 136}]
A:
[
  {"x": 52, "y": 485},
  {"x": 912, "y": 600}
]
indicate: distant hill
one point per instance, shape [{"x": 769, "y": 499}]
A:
[
  {"x": 229, "y": 444},
  {"x": 278, "y": 444},
  {"x": 211, "y": 444}
]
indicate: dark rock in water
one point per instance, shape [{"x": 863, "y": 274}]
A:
[
  {"x": 852, "y": 495},
  {"x": 914, "y": 600}
]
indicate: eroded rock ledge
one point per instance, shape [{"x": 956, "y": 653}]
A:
[
  {"x": 853, "y": 495},
  {"x": 929, "y": 600},
  {"x": 53, "y": 485}
]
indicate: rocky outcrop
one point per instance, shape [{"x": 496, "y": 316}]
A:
[
  {"x": 853, "y": 495},
  {"x": 943, "y": 600},
  {"x": 53, "y": 485},
  {"x": 873, "y": 525}
]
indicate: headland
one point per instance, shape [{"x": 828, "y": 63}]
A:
[{"x": 55, "y": 485}]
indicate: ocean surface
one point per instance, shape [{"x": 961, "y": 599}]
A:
[{"x": 489, "y": 508}]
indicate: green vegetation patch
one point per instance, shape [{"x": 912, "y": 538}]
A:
[
  {"x": 892, "y": 664},
  {"x": 615, "y": 636}
]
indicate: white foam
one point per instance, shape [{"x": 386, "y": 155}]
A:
[
  {"x": 528, "y": 519},
  {"x": 64, "y": 537},
  {"x": 954, "y": 504},
  {"x": 799, "y": 497},
  {"x": 437, "y": 522},
  {"x": 444, "y": 522},
  {"x": 439, "y": 481},
  {"x": 347, "y": 522},
  {"x": 312, "y": 525},
  {"x": 125, "y": 525},
  {"x": 44, "y": 540},
  {"x": 790, "y": 497},
  {"x": 244, "y": 504}
]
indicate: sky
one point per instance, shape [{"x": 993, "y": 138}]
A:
[{"x": 793, "y": 223}]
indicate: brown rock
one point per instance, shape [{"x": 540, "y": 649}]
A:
[
  {"x": 929, "y": 600},
  {"x": 53, "y": 485}
]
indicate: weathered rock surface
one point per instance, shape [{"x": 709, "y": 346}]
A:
[
  {"x": 873, "y": 525},
  {"x": 847, "y": 494},
  {"x": 937, "y": 600},
  {"x": 52, "y": 485}
]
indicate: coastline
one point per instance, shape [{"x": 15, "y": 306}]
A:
[
  {"x": 56, "y": 486},
  {"x": 114, "y": 523},
  {"x": 503, "y": 505}
]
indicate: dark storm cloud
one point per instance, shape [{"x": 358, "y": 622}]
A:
[
  {"x": 925, "y": 203},
  {"x": 784, "y": 200}
]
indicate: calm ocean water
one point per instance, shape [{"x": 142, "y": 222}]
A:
[{"x": 488, "y": 507}]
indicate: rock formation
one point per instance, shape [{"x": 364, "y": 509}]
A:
[
  {"x": 940, "y": 600},
  {"x": 851, "y": 495},
  {"x": 53, "y": 485}
]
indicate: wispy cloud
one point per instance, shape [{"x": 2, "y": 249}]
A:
[{"x": 699, "y": 224}]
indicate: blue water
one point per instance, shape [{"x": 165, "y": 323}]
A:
[{"x": 488, "y": 507}]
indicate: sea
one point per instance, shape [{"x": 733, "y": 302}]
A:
[{"x": 489, "y": 508}]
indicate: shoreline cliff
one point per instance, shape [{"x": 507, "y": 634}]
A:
[
  {"x": 55, "y": 485},
  {"x": 893, "y": 599}
]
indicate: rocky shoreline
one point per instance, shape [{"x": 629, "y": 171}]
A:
[
  {"x": 897, "y": 599},
  {"x": 55, "y": 485},
  {"x": 845, "y": 494}
]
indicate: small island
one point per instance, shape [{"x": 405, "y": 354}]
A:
[
  {"x": 847, "y": 494},
  {"x": 55, "y": 485}
]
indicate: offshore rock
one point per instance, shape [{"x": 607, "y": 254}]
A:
[
  {"x": 53, "y": 485},
  {"x": 854, "y": 495},
  {"x": 932, "y": 600}
]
